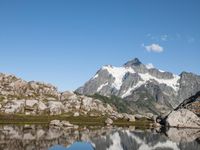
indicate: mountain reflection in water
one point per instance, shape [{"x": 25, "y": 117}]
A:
[
  {"x": 36, "y": 137},
  {"x": 75, "y": 146}
]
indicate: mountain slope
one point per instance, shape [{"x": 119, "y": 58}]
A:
[
  {"x": 135, "y": 83},
  {"x": 35, "y": 98}
]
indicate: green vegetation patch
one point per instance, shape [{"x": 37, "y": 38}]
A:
[
  {"x": 119, "y": 103},
  {"x": 44, "y": 119},
  {"x": 80, "y": 120}
]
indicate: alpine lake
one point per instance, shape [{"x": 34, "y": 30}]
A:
[{"x": 41, "y": 136}]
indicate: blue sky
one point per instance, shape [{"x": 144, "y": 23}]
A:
[{"x": 64, "y": 42}]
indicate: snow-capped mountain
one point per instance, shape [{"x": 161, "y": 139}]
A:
[{"x": 143, "y": 86}]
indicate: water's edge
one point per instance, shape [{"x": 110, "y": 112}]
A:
[{"x": 100, "y": 137}]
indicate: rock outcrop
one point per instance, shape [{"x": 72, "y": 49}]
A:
[
  {"x": 75, "y": 104},
  {"x": 109, "y": 121},
  {"x": 183, "y": 118},
  {"x": 34, "y": 98},
  {"x": 192, "y": 104},
  {"x": 63, "y": 124},
  {"x": 186, "y": 115}
]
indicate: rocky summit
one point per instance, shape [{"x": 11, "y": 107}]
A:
[{"x": 144, "y": 89}]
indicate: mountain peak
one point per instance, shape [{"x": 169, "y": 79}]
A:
[{"x": 133, "y": 62}]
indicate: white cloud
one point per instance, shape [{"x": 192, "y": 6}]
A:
[
  {"x": 154, "y": 48},
  {"x": 161, "y": 37},
  {"x": 164, "y": 37},
  {"x": 150, "y": 66}
]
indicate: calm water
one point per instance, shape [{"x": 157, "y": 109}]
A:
[{"x": 36, "y": 137}]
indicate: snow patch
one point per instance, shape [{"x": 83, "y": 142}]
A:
[
  {"x": 101, "y": 86},
  {"x": 173, "y": 83},
  {"x": 93, "y": 144},
  {"x": 128, "y": 92},
  {"x": 150, "y": 66},
  {"x": 145, "y": 146},
  {"x": 116, "y": 142},
  {"x": 96, "y": 76},
  {"x": 169, "y": 82},
  {"x": 118, "y": 73},
  {"x": 161, "y": 70}
]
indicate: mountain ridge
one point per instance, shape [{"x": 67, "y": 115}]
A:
[{"x": 166, "y": 88}]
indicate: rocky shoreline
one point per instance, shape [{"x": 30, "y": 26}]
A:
[
  {"x": 186, "y": 115},
  {"x": 42, "y": 103},
  {"x": 22, "y": 101}
]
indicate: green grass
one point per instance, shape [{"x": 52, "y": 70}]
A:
[
  {"x": 80, "y": 120},
  {"x": 1, "y": 98},
  {"x": 44, "y": 119}
]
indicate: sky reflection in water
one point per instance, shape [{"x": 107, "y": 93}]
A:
[
  {"x": 75, "y": 146},
  {"x": 27, "y": 137}
]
